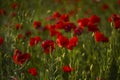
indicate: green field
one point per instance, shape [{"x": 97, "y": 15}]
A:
[{"x": 59, "y": 39}]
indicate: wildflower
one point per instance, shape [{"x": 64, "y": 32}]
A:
[
  {"x": 116, "y": 20},
  {"x": 62, "y": 41},
  {"x": 105, "y": 6},
  {"x": 2, "y": 12},
  {"x": 94, "y": 19},
  {"x": 15, "y": 5},
  {"x": 83, "y": 22},
  {"x": 34, "y": 40},
  {"x": 28, "y": 33},
  {"x": 48, "y": 46},
  {"x": 99, "y": 37},
  {"x": 60, "y": 24},
  {"x": 20, "y": 58},
  {"x": 18, "y": 26},
  {"x": 69, "y": 26},
  {"x": 1, "y": 40},
  {"x": 64, "y": 17},
  {"x": 92, "y": 27},
  {"x": 119, "y": 2},
  {"x": 72, "y": 42},
  {"x": 54, "y": 32},
  {"x": 117, "y": 24},
  {"x": 114, "y": 17},
  {"x": 33, "y": 71},
  {"x": 78, "y": 31},
  {"x": 67, "y": 69},
  {"x": 56, "y": 15},
  {"x": 20, "y": 36},
  {"x": 37, "y": 24}
]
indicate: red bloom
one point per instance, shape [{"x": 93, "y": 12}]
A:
[
  {"x": 67, "y": 69},
  {"x": 15, "y": 5},
  {"x": 18, "y": 26},
  {"x": 56, "y": 15},
  {"x": 54, "y": 32},
  {"x": 62, "y": 41},
  {"x": 64, "y": 17},
  {"x": 94, "y": 19},
  {"x": 72, "y": 43},
  {"x": 20, "y": 58},
  {"x": 2, "y": 12},
  {"x": 116, "y": 20},
  {"x": 20, "y": 36},
  {"x": 117, "y": 24},
  {"x": 78, "y": 31},
  {"x": 114, "y": 17},
  {"x": 83, "y": 22},
  {"x": 60, "y": 24},
  {"x": 1, "y": 40},
  {"x": 28, "y": 33},
  {"x": 105, "y": 6},
  {"x": 92, "y": 27},
  {"x": 34, "y": 40},
  {"x": 37, "y": 24},
  {"x": 33, "y": 71},
  {"x": 119, "y": 2},
  {"x": 99, "y": 37},
  {"x": 48, "y": 46},
  {"x": 69, "y": 26}
]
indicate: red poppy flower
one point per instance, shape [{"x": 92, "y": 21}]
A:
[
  {"x": 18, "y": 26},
  {"x": 105, "y": 6},
  {"x": 64, "y": 17},
  {"x": 28, "y": 33},
  {"x": 92, "y": 27},
  {"x": 20, "y": 36},
  {"x": 34, "y": 40},
  {"x": 48, "y": 46},
  {"x": 72, "y": 42},
  {"x": 67, "y": 69},
  {"x": 2, "y": 12},
  {"x": 78, "y": 31},
  {"x": 62, "y": 41},
  {"x": 37, "y": 24},
  {"x": 119, "y": 2},
  {"x": 94, "y": 19},
  {"x": 114, "y": 17},
  {"x": 33, "y": 71},
  {"x": 1, "y": 40},
  {"x": 54, "y": 32},
  {"x": 20, "y": 58},
  {"x": 69, "y": 26},
  {"x": 60, "y": 24},
  {"x": 83, "y": 22},
  {"x": 99, "y": 37},
  {"x": 117, "y": 24},
  {"x": 116, "y": 20},
  {"x": 48, "y": 27},
  {"x": 15, "y": 5},
  {"x": 56, "y": 15}
]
